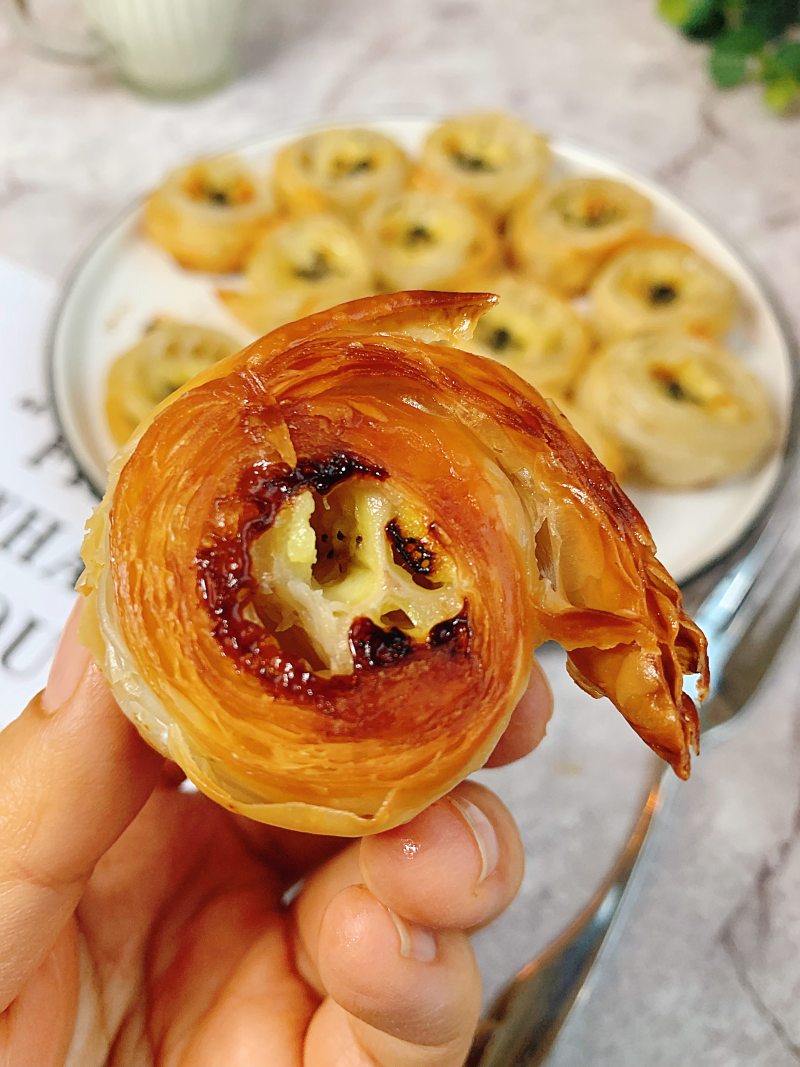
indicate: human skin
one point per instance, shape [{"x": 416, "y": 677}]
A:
[{"x": 144, "y": 926}]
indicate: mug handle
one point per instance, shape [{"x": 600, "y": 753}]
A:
[{"x": 68, "y": 48}]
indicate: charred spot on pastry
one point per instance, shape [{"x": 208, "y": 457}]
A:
[
  {"x": 499, "y": 339},
  {"x": 218, "y": 197},
  {"x": 671, "y": 385},
  {"x": 410, "y": 553},
  {"x": 375, "y": 646},
  {"x": 372, "y": 646},
  {"x": 469, "y": 161},
  {"x": 662, "y": 293},
  {"x": 675, "y": 390},
  {"x": 454, "y": 634},
  {"x": 316, "y": 269},
  {"x": 225, "y": 578},
  {"x": 418, "y": 235},
  {"x": 346, "y": 168}
]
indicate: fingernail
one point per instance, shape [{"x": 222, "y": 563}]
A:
[
  {"x": 416, "y": 942},
  {"x": 482, "y": 830},
  {"x": 69, "y": 665}
]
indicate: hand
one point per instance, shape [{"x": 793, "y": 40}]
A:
[{"x": 141, "y": 926}]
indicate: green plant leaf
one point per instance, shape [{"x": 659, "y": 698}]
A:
[
  {"x": 697, "y": 18},
  {"x": 747, "y": 39},
  {"x": 728, "y": 69},
  {"x": 781, "y": 93},
  {"x": 787, "y": 57},
  {"x": 751, "y": 40},
  {"x": 728, "y": 62},
  {"x": 674, "y": 11},
  {"x": 771, "y": 17}
]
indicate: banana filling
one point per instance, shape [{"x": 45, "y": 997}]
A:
[
  {"x": 330, "y": 574},
  {"x": 219, "y": 186},
  {"x": 509, "y": 335},
  {"x": 330, "y": 561},
  {"x": 692, "y": 383},
  {"x": 333, "y": 160},
  {"x": 477, "y": 152},
  {"x": 588, "y": 212}
]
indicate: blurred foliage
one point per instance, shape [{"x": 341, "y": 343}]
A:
[{"x": 750, "y": 40}]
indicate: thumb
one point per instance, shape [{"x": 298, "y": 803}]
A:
[{"x": 73, "y": 774}]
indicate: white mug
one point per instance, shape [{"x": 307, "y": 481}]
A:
[{"x": 162, "y": 47}]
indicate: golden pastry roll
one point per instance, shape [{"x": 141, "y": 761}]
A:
[
  {"x": 426, "y": 240},
  {"x": 168, "y": 354},
  {"x": 565, "y": 234},
  {"x": 661, "y": 283},
  {"x": 686, "y": 411},
  {"x": 488, "y": 159},
  {"x": 536, "y": 333},
  {"x": 209, "y": 214},
  {"x": 340, "y": 170},
  {"x": 325, "y": 605},
  {"x": 300, "y": 265}
]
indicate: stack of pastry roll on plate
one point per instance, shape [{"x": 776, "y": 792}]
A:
[{"x": 622, "y": 327}]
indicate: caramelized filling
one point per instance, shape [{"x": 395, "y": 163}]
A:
[{"x": 317, "y": 579}]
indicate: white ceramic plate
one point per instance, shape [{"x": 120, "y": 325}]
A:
[{"x": 125, "y": 281}]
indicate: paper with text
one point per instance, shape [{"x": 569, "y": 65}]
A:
[{"x": 43, "y": 501}]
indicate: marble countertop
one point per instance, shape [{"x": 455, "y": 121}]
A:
[{"x": 707, "y": 969}]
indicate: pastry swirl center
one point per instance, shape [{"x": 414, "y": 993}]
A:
[{"x": 313, "y": 574}]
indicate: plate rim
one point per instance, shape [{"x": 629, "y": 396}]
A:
[{"x": 790, "y": 450}]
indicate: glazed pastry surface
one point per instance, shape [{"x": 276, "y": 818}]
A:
[{"x": 325, "y": 606}]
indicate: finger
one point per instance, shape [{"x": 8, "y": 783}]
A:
[
  {"x": 399, "y": 995},
  {"x": 457, "y": 865},
  {"x": 528, "y": 723},
  {"x": 73, "y": 774},
  {"x": 308, "y": 909}
]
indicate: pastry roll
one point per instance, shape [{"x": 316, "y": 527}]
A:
[
  {"x": 208, "y": 215},
  {"x": 423, "y": 240},
  {"x": 660, "y": 283},
  {"x": 686, "y": 411},
  {"x": 167, "y": 356},
  {"x": 371, "y": 544},
  {"x": 565, "y": 234},
  {"x": 340, "y": 170},
  {"x": 300, "y": 266},
  {"x": 489, "y": 160},
  {"x": 534, "y": 332}
]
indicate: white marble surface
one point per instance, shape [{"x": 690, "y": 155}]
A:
[{"x": 708, "y": 968}]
